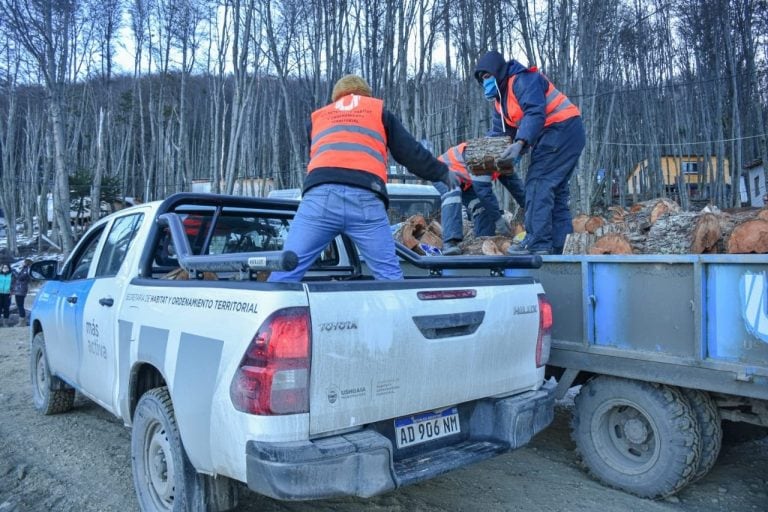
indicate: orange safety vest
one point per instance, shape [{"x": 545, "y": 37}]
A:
[
  {"x": 454, "y": 159},
  {"x": 349, "y": 133},
  {"x": 558, "y": 106}
]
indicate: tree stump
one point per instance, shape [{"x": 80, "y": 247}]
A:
[{"x": 481, "y": 154}]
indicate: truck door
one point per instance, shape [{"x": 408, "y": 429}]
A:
[
  {"x": 98, "y": 358},
  {"x": 63, "y": 338}
]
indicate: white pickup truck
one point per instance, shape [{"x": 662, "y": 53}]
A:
[{"x": 336, "y": 385}]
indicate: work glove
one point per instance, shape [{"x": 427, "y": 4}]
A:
[
  {"x": 451, "y": 180},
  {"x": 511, "y": 155}
]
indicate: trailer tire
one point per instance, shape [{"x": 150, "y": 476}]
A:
[
  {"x": 636, "y": 436},
  {"x": 710, "y": 428},
  {"x": 49, "y": 394},
  {"x": 163, "y": 476}
]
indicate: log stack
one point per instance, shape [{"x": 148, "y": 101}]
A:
[
  {"x": 416, "y": 231},
  {"x": 659, "y": 227}
]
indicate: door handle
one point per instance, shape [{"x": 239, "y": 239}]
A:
[
  {"x": 72, "y": 299},
  {"x": 107, "y": 301}
]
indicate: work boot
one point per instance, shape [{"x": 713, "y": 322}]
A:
[
  {"x": 2, "y": 322},
  {"x": 22, "y": 322},
  {"x": 451, "y": 248}
]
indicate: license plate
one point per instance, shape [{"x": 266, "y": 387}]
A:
[{"x": 426, "y": 426}]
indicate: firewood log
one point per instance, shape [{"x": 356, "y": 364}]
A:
[
  {"x": 684, "y": 233},
  {"x": 411, "y": 231},
  {"x": 613, "y": 243},
  {"x": 488, "y": 245},
  {"x": 749, "y": 237},
  {"x": 593, "y": 223},
  {"x": 580, "y": 223},
  {"x": 490, "y": 248},
  {"x": 578, "y": 243},
  {"x": 481, "y": 154}
]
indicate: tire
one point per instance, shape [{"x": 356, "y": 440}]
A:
[
  {"x": 49, "y": 394},
  {"x": 636, "y": 436},
  {"x": 163, "y": 476},
  {"x": 710, "y": 428}
]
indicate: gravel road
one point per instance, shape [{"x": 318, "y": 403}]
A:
[{"x": 80, "y": 461}]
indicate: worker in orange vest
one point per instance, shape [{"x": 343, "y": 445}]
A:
[
  {"x": 543, "y": 121},
  {"x": 345, "y": 188},
  {"x": 476, "y": 195}
]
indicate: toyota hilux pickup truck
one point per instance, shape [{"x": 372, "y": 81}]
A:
[{"x": 338, "y": 385}]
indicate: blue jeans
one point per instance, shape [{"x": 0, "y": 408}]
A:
[
  {"x": 547, "y": 214},
  {"x": 329, "y": 210}
]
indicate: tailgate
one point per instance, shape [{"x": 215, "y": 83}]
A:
[{"x": 379, "y": 351}]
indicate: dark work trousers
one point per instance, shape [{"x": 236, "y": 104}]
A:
[
  {"x": 553, "y": 160},
  {"x": 5, "y": 305},
  {"x": 20, "y": 305},
  {"x": 514, "y": 184}
]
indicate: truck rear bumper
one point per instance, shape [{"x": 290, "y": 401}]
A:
[{"x": 361, "y": 463}]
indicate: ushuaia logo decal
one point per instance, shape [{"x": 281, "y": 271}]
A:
[{"x": 753, "y": 290}]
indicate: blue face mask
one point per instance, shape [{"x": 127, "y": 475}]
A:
[{"x": 490, "y": 89}]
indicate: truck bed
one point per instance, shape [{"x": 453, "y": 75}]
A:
[{"x": 698, "y": 321}]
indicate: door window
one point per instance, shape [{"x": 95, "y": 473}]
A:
[
  {"x": 84, "y": 256},
  {"x": 118, "y": 243}
]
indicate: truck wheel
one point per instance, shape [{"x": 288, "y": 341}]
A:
[
  {"x": 49, "y": 394},
  {"x": 636, "y": 436},
  {"x": 163, "y": 476},
  {"x": 710, "y": 428}
]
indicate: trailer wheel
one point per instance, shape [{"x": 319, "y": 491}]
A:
[
  {"x": 49, "y": 394},
  {"x": 710, "y": 428},
  {"x": 636, "y": 436},
  {"x": 163, "y": 476}
]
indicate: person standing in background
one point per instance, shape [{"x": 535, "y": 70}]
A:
[
  {"x": 20, "y": 288},
  {"x": 5, "y": 294}
]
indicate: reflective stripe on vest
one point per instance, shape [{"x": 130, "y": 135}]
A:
[
  {"x": 350, "y": 134},
  {"x": 558, "y": 107},
  {"x": 454, "y": 159}
]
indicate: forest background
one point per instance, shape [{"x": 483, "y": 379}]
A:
[{"x": 105, "y": 99}]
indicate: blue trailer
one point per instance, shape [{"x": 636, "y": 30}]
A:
[{"x": 664, "y": 347}]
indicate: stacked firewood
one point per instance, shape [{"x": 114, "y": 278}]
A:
[
  {"x": 415, "y": 233},
  {"x": 660, "y": 227},
  {"x": 419, "y": 235}
]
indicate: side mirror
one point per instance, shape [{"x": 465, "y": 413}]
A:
[{"x": 43, "y": 270}]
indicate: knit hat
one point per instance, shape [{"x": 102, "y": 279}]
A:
[{"x": 350, "y": 84}]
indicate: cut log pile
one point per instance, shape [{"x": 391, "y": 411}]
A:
[
  {"x": 417, "y": 231},
  {"x": 659, "y": 227}
]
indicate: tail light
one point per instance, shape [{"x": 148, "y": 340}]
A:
[
  {"x": 544, "y": 342},
  {"x": 273, "y": 376}
]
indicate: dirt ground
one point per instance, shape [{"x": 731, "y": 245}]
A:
[{"x": 80, "y": 461}]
